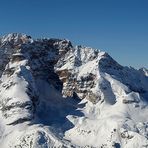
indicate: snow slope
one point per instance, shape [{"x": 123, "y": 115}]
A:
[{"x": 55, "y": 95}]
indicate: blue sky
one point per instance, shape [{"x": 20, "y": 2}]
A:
[{"x": 119, "y": 27}]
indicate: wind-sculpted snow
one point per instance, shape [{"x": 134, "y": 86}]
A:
[{"x": 54, "y": 95}]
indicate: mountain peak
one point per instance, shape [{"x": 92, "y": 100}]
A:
[
  {"x": 14, "y": 39},
  {"x": 55, "y": 95}
]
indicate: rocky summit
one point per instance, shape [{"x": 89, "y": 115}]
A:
[{"x": 55, "y": 95}]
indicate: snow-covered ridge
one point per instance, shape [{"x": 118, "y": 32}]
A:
[
  {"x": 55, "y": 95},
  {"x": 144, "y": 71}
]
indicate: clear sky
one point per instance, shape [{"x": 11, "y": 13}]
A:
[{"x": 119, "y": 27}]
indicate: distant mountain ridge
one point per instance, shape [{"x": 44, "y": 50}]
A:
[{"x": 53, "y": 94}]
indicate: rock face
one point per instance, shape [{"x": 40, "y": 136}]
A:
[{"x": 55, "y": 95}]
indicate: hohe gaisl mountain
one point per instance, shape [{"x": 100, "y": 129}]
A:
[{"x": 55, "y": 95}]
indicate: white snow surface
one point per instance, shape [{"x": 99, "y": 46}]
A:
[{"x": 34, "y": 113}]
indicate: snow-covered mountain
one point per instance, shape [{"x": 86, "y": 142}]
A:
[{"x": 54, "y": 95}]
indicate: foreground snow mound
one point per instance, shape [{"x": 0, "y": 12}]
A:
[{"x": 55, "y": 95}]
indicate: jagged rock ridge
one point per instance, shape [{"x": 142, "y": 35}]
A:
[{"x": 56, "y": 95}]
